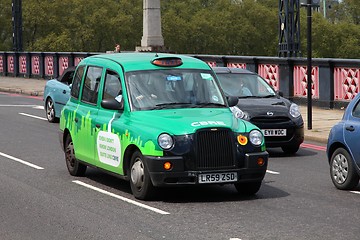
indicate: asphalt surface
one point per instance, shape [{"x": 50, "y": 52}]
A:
[
  {"x": 322, "y": 119},
  {"x": 297, "y": 199}
]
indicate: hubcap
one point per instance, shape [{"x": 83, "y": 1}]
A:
[
  {"x": 137, "y": 173},
  {"x": 50, "y": 110},
  {"x": 340, "y": 168}
]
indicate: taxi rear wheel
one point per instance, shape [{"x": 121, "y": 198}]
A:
[
  {"x": 50, "y": 111},
  {"x": 140, "y": 182},
  {"x": 74, "y": 167},
  {"x": 249, "y": 188},
  {"x": 342, "y": 171}
]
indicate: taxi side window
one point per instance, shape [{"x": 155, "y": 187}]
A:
[
  {"x": 75, "y": 88},
  {"x": 112, "y": 87},
  {"x": 91, "y": 85}
]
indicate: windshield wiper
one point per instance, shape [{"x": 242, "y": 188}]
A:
[
  {"x": 210, "y": 105},
  {"x": 164, "y": 105}
]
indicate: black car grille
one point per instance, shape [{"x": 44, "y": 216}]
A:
[
  {"x": 270, "y": 120},
  {"x": 275, "y": 123},
  {"x": 214, "y": 149}
]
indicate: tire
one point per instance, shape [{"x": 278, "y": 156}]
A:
[
  {"x": 74, "y": 167},
  {"x": 249, "y": 188},
  {"x": 50, "y": 111},
  {"x": 342, "y": 170},
  {"x": 140, "y": 182},
  {"x": 291, "y": 149}
]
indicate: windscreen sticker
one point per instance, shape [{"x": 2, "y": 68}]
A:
[
  {"x": 109, "y": 147},
  {"x": 206, "y": 76},
  {"x": 173, "y": 78}
]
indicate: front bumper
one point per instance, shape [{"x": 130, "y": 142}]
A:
[
  {"x": 294, "y": 137},
  {"x": 178, "y": 175}
]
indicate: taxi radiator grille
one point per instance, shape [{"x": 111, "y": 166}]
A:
[{"x": 215, "y": 149}]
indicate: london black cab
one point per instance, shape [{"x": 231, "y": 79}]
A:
[{"x": 158, "y": 120}]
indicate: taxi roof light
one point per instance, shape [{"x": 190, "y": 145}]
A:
[{"x": 167, "y": 62}]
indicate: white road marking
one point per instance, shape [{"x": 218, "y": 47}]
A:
[
  {"x": 120, "y": 197},
  {"x": 7, "y": 105},
  {"x": 28, "y": 115},
  {"x": 21, "y": 161},
  {"x": 235, "y": 239},
  {"x": 272, "y": 172},
  {"x": 39, "y": 107},
  {"x": 357, "y": 192}
]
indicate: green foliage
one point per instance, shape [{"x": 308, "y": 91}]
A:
[{"x": 231, "y": 27}]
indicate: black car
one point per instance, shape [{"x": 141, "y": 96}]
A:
[{"x": 279, "y": 119}]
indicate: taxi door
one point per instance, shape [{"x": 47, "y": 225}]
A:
[
  {"x": 108, "y": 153},
  {"x": 85, "y": 115}
]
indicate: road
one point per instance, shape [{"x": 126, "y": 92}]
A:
[{"x": 40, "y": 200}]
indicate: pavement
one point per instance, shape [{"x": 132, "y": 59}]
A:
[{"x": 322, "y": 119}]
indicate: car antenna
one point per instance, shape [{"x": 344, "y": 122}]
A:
[{"x": 156, "y": 55}]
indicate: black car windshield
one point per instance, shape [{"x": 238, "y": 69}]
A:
[
  {"x": 173, "y": 88},
  {"x": 245, "y": 85}
]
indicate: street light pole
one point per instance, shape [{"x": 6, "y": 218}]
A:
[{"x": 309, "y": 65}]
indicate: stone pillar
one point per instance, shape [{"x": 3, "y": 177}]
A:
[{"x": 152, "y": 39}]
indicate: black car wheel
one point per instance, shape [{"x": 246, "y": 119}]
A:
[
  {"x": 140, "y": 182},
  {"x": 291, "y": 149},
  {"x": 74, "y": 167},
  {"x": 342, "y": 170},
  {"x": 249, "y": 188},
  {"x": 50, "y": 111}
]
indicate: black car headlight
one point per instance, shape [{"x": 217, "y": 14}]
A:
[{"x": 294, "y": 110}]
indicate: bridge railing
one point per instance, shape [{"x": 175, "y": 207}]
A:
[{"x": 334, "y": 81}]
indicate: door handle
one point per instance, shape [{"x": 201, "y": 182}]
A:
[{"x": 350, "y": 128}]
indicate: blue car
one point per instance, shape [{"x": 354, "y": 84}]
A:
[
  {"x": 57, "y": 93},
  {"x": 343, "y": 149}
]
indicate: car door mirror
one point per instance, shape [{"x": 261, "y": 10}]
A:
[
  {"x": 280, "y": 93},
  {"x": 112, "y": 104},
  {"x": 232, "y": 101},
  {"x": 70, "y": 85}
]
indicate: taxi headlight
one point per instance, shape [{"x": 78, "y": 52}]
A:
[
  {"x": 294, "y": 110},
  {"x": 256, "y": 137},
  {"x": 165, "y": 141}
]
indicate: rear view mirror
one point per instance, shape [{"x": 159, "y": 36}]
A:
[{"x": 112, "y": 104}]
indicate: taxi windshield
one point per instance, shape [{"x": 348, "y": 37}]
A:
[{"x": 173, "y": 88}]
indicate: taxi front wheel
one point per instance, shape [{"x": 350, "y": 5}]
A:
[
  {"x": 140, "y": 182},
  {"x": 74, "y": 167}
]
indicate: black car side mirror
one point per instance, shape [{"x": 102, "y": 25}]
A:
[
  {"x": 232, "y": 101},
  {"x": 112, "y": 104},
  {"x": 280, "y": 93}
]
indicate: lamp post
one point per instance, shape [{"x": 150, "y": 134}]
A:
[
  {"x": 17, "y": 25},
  {"x": 309, "y": 5}
]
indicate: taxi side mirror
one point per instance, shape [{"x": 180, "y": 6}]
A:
[
  {"x": 112, "y": 104},
  {"x": 232, "y": 101}
]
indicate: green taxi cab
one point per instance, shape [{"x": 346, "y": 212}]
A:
[{"x": 157, "y": 120}]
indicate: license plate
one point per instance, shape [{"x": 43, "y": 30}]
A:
[
  {"x": 218, "y": 177},
  {"x": 274, "y": 132}
]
